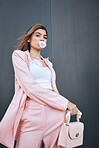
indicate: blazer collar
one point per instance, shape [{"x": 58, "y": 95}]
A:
[
  {"x": 49, "y": 64},
  {"x": 45, "y": 59}
]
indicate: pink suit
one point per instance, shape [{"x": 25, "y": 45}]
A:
[{"x": 43, "y": 116}]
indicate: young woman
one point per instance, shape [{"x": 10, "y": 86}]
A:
[{"x": 37, "y": 110}]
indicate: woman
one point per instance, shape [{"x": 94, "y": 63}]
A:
[{"x": 37, "y": 110}]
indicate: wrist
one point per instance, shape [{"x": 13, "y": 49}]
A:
[{"x": 68, "y": 105}]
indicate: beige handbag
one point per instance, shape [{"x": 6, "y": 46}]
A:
[{"x": 71, "y": 133}]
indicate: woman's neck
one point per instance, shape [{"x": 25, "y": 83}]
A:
[{"x": 35, "y": 54}]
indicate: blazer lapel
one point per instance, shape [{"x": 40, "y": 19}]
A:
[{"x": 47, "y": 63}]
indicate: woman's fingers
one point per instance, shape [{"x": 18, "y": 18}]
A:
[
  {"x": 79, "y": 114},
  {"x": 74, "y": 111},
  {"x": 71, "y": 106}
]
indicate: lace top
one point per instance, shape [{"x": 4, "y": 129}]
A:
[{"x": 41, "y": 74}]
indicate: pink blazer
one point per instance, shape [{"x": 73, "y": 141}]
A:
[{"x": 25, "y": 85}]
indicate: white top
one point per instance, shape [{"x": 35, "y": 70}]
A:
[{"x": 41, "y": 74}]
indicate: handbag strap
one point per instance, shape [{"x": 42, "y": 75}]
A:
[{"x": 78, "y": 116}]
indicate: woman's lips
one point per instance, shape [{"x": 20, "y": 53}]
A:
[{"x": 42, "y": 44}]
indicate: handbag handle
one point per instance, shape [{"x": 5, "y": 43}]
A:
[{"x": 78, "y": 116}]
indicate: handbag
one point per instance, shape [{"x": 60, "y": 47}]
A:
[{"x": 71, "y": 133}]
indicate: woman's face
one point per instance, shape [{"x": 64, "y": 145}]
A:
[{"x": 38, "y": 35}]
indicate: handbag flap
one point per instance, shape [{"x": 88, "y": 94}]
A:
[{"x": 75, "y": 130}]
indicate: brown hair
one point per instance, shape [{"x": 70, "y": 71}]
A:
[{"x": 25, "y": 45}]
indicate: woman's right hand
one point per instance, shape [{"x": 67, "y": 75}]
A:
[{"x": 73, "y": 108}]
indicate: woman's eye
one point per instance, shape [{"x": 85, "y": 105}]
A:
[
  {"x": 37, "y": 35},
  {"x": 45, "y": 37}
]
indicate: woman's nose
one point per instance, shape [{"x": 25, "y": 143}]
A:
[{"x": 42, "y": 39}]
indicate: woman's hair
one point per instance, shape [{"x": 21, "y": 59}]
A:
[{"x": 25, "y": 45}]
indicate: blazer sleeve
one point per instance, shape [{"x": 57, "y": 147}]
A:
[{"x": 31, "y": 87}]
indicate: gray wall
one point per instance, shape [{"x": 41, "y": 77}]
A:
[
  {"x": 75, "y": 53},
  {"x": 15, "y": 19},
  {"x": 72, "y": 47}
]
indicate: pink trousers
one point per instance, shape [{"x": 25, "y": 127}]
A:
[{"x": 39, "y": 123}]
